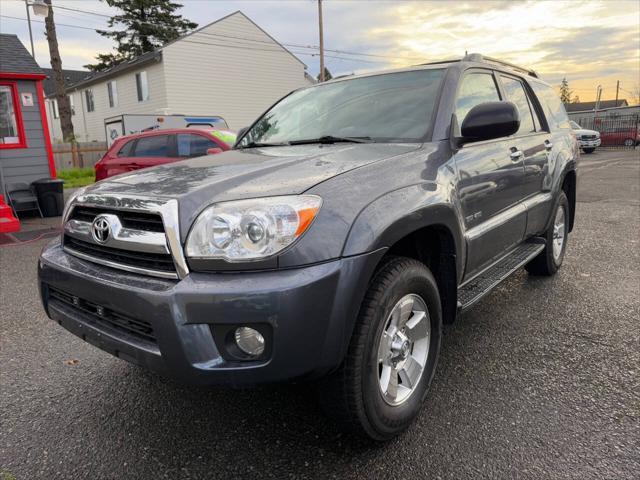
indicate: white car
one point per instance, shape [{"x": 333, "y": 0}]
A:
[{"x": 587, "y": 139}]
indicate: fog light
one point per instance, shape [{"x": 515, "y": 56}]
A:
[{"x": 250, "y": 341}]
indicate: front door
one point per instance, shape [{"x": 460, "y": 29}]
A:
[{"x": 490, "y": 181}]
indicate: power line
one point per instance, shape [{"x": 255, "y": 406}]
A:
[
  {"x": 57, "y": 24},
  {"x": 312, "y": 47}
]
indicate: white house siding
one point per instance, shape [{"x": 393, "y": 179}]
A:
[
  {"x": 89, "y": 126},
  {"x": 237, "y": 81}
]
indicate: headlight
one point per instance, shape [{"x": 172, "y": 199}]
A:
[{"x": 252, "y": 229}]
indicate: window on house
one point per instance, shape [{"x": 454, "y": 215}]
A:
[
  {"x": 142, "y": 86},
  {"x": 88, "y": 95},
  {"x": 73, "y": 107},
  {"x": 112, "y": 91},
  {"x": 54, "y": 107},
  {"x": 11, "y": 130}
]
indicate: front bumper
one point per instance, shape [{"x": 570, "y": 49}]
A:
[
  {"x": 589, "y": 143},
  {"x": 307, "y": 315}
]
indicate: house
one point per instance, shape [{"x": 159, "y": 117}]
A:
[
  {"x": 230, "y": 68},
  {"x": 585, "y": 111},
  {"x": 25, "y": 145},
  {"x": 582, "y": 107}
]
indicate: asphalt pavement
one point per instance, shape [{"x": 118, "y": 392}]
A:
[{"x": 540, "y": 380}]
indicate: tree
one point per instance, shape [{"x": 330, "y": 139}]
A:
[
  {"x": 141, "y": 26},
  {"x": 575, "y": 99},
  {"x": 61, "y": 97},
  {"x": 565, "y": 93},
  {"x": 327, "y": 75}
]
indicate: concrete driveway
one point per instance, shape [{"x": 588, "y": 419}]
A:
[{"x": 540, "y": 380}]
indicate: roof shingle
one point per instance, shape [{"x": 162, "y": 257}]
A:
[{"x": 14, "y": 57}]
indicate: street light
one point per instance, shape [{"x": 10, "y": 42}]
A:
[{"x": 41, "y": 9}]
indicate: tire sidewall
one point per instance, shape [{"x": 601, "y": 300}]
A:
[{"x": 387, "y": 420}]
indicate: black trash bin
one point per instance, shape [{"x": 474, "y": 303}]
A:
[{"x": 50, "y": 196}]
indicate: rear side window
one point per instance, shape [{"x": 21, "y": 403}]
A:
[
  {"x": 125, "y": 151},
  {"x": 476, "y": 88},
  {"x": 552, "y": 106},
  {"x": 154, "y": 146},
  {"x": 516, "y": 93},
  {"x": 190, "y": 145}
]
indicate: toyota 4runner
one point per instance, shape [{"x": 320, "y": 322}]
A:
[{"x": 349, "y": 222}]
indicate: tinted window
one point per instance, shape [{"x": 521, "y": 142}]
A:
[
  {"x": 552, "y": 106},
  {"x": 476, "y": 88},
  {"x": 193, "y": 145},
  {"x": 125, "y": 151},
  {"x": 155, "y": 146},
  {"x": 516, "y": 93},
  {"x": 388, "y": 107}
]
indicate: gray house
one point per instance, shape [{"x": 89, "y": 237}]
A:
[{"x": 25, "y": 143}]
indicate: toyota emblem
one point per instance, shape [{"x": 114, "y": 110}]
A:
[{"x": 101, "y": 228}]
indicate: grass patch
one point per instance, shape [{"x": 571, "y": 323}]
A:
[{"x": 77, "y": 177}]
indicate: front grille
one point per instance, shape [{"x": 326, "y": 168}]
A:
[
  {"x": 588, "y": 137},
  {"x": 106, "y": 319},
  {"x": 149, "y": 222},
  {"x": 162, "y": 262}
]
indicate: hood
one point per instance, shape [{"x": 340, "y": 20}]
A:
[
  {"x": 584, "y": 131},
  {"x": 248, "y": 173}
]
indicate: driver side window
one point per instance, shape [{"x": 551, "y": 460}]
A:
[{"x": 476, "y": 88}]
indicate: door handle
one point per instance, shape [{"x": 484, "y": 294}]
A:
[
  {"x": 548, "y": 145},
  {"x": 516, "y": 154}
]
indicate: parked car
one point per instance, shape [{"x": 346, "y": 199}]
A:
[
  {"x": 587, "y": 139},
  {"x": 158, "y": 147},
  {"x": 327, "y": 245},
  {"x": 628, "y": 136}
]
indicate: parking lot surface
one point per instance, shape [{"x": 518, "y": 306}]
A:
[{"x": 540, "y": 380}]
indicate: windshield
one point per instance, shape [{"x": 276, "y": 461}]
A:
[
  {"x": 392, "y": 107},
  {"x": 575, "y": 126}
]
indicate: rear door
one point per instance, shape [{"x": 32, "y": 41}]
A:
[
  {"x": 152, "y": 150},
  {"x": 490, "y": 180},
  {"x": 533, "y": 139}
]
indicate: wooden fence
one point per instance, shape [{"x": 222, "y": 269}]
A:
[{"x": 81, "y": 154}]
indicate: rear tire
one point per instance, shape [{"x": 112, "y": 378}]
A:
[
  {"x": 548, "y": 262},
  {"x": 589, "y": 150},
  {"x": 629, "y": 142},
  {"x": 377, "y": 358}
]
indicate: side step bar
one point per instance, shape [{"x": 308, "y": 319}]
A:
[{"x": 480, "y": 285}]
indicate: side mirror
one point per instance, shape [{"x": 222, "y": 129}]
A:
[
  {"x": 490, "y": 120},
  {"x": 214, "y": 150}
]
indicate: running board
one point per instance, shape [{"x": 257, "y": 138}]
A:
[{"x": 479, "y": 286}]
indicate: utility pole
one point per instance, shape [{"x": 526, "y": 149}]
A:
[
  {"x": 64, "y": 105},
  {"x": 617, "y": 90},
  {"x": 321, "y": 41}
]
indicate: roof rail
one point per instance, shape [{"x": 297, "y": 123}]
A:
[{"x": 476, "y": 57}]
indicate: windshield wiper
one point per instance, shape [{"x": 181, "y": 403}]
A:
[
  {"x": 259, "y": 144},
  {"x": 331, "y": 139}
]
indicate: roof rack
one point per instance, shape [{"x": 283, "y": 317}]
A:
[{"x": 478, "y": 58}]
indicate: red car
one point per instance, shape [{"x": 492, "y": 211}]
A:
[
  {"x": 627, "y": 136},
  {"x": 142, "y": 150}
]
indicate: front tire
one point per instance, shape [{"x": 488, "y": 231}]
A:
[
  {"x": 548, "y": 262},
  {"x": 629, "y": 142},
  {"x": 380, "y": 387}
]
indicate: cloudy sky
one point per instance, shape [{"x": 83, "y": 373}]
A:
[{"x": 590, "y": 42}]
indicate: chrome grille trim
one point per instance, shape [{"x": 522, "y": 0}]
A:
[
  {"x": 124, "y": 238},
  {"x": 166, "y": 208}
]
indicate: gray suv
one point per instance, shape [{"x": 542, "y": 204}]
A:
[{"x": 349, "y": 223}]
